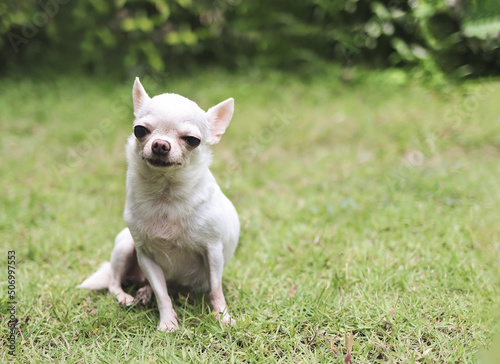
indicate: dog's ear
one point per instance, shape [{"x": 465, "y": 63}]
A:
[
  {"x": 139, "y": 95},
  {"x": 219, "y": 117}
]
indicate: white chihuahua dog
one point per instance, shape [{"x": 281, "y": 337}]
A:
[{"x": 182, "y": 230}]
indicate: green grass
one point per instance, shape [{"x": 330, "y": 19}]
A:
[{"x": 369, "y": 208}]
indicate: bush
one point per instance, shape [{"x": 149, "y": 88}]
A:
[{"x": 101, "y": 36}]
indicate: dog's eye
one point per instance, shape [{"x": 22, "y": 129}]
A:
[
  {"x": 140, "y": 131},
  {"x": 192, "y": 141}
]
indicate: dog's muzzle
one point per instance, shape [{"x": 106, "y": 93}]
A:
[
  {"x": 160, "y": 147},
  {"x": 161, "y": 163}
]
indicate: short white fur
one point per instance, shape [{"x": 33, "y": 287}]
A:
[{"x": 181, "y": 229}]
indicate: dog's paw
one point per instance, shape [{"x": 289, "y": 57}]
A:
[
  {"x": 225, "y": 318},
  {"x": 168, "y": 321},
  {"x": 168, "y": 326},
  {"x": 125, "y": 299},
  {"x": 144, "y": 294}
]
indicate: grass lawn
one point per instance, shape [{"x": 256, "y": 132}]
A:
[{"x": 368, "y": 208}]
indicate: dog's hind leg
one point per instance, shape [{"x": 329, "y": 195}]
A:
[
  {"x": 144, "y": 294},
  {"x": 123, "y": 262}
]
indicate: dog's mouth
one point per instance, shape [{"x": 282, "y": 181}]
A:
[{"x": 161, "y": 163}]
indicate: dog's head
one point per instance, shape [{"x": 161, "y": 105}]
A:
[{"x": 171, "y": 129}]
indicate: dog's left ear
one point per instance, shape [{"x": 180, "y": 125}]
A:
[
  {"x": 219, "y": 117},
  {"x": 139, "y": 95}
]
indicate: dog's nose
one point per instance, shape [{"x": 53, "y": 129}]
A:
[{"x": 160, "y": 146}]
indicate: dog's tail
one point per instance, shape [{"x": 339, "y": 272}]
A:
[{"x": 98, "y": 280}]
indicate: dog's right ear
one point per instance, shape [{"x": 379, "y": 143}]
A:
[{"x": 139, "y": 95}]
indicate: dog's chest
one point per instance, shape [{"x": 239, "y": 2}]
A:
[
  {"x": 166, "y": 225},
  {"x": 170, "y": 238}
]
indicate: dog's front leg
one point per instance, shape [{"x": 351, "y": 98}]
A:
[
  {"x": 156, "y": 278},
  {"x": 215, "y": 259}
]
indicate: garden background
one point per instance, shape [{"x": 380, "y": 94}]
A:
[{"x": 363, "y": 159}]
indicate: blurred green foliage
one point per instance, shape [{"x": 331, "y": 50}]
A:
[{"x": 440, "y": 37}]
